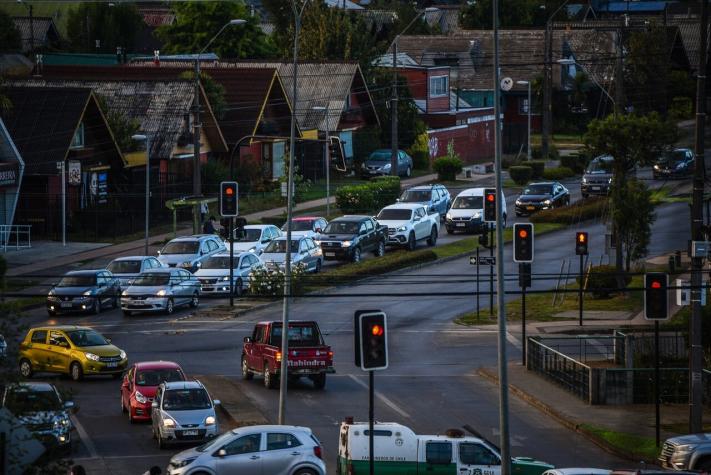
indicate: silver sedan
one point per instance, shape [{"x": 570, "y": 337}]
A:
[{"x": 161, "y": 290}]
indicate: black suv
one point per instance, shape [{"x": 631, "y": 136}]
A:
[{"x": 348, "y": 237}]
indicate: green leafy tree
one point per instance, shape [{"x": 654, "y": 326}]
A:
[
  {"x": 635, "y": 213},
  {"x": 214, "y": 91},
  {"x": 197, "y": 22},
  {"x": 10, "y": 39},
  {"x": 112, "y": 25}
]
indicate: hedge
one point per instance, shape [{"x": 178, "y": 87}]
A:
[
  {"x": 447, "y": 168},
  {"x": 602, "y": 281},
  {"x": 537, "y": 166},
  {"x": 557, "y": 173},
  {"x": 391, "y": 261},
  {"x": 576, "y": 162},
  {"x": 368, "y": 197},
  {"x": 592, "y": 208},
  {"x": 520, "y": 174}
]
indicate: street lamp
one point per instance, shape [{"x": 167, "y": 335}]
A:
[
  {"x": 327, "y": 154},
  {"x": 197, "y": 185},
  {"x": 572, "y": 62},
  {"x": 528, "y": 149},
  {"x": 144, "y": 138}
]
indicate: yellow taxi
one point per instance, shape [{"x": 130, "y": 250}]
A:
[{"x": 76, "y": 351}]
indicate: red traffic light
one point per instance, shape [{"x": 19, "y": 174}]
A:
[
  {"x": 522, "y": 233},
  {"x": 377, "y": 330},
  {"x": 490, "y": 197},
  {"x": 229, "y": 191},
  {"x": 656, "y": 284}
]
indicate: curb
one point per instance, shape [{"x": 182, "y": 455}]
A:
[{"x": 563, "y": 420}]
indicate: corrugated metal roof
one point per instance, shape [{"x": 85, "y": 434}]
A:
[
  {"x": 690, "y": 36},
  {"x": 42, "y": 29}
]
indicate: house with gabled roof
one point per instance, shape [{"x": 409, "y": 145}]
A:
[{"x": 39, "y": 33}]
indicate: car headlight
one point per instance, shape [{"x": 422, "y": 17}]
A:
[
  {"x": 476, "y": 215},
  {"x": 122, "y": 354},
  {"x": 254, "y": 249},
  {"x": 88, "y": 293},
  {"x": 318, "y": 243},
  {"x": 50, "y": 293},
  {"x": 161, "y": 293},
  {"x": 518, "y": 202},
  {"x": 547, "y": 202},
  {"x": 141, "y": 398},
  {"x": 402, "y": 228},
  {"x": 210, "y": 420},
  {"x": 656, "y": 167},
  {"x": 91, "y": 356},
  {"x": 124, "y": 293},
  {"x": 609, "y": 181},
  {"x": 182, "y": 463},
  {"x": 385, "y": 167},
  {"x": 225, "y": 278},
  {"x": 168, "y": 423},
  {"x": 346, "y": 243},
  {"x": 61, "y": 422},
  {"x": 448, "y": 216},
  {"x": 584, "y": 181},
  {"x": 186, "y": 264},
  {"x": 684, "y": 448}
]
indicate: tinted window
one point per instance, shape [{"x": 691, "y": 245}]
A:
[
  {"x": 303, "y": 335},
  {"x": 415, "y": 196},
  {"x": 125, "y": 267},
  {"x": 217, "y": 262},
  {"x": 438, "y": 452},
  {"x": 280, "y": 246},
  {"x": 468, "y": 202},
  {"x": 281, "y": 441},
  {"x": 394, "y": 214},
  {"x": 476, "y": 454},
  {"x": 599, "y": 166},
  {"x": 248, "y": 235},
  {"x": 84, "y": 338},
  {"x": 186, "y": 399},
  {"x": 243, "y": 445},
  {"x": 181, "y": 247},
  {"x": 212, "y": 246},
  {"x": 77, "y": 281},
  {"x": 39, "y": 336},
  {"x": 369, "y": 225},
  {"x": 380, "y": 156},
  {"x": 153, "y": 377},
  {"x": 149, "y": 280},
  {"x": 341, "y": 227},
  {"x": 538, "y": 190},
  {"x": 303, "y": 246},
  {"x": 258, "y": 334},
  {"x": 22, "y": 400}
]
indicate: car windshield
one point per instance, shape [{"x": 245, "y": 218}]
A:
[
  {"x": 279, "y": 246},
  {"x": 151, "y": 280},
  {"x": 673, "y": 157},
  {"x": 219, "y": 263},
  {"x": 186, "y": 400},
  {"x": 394, "y": 214},
  {"x": 125, "y": 267},
  {"x": 77, "y": 281},
  {"x": 23, "y": 401},
  {"x": 416, "y": 196},
  {"x": 538, "y": 190},
  {"x": 153, "y": 377},
  {"x": 380, "y": 156},
  {"x": 300, "y": 225},
  {"x": 342, "y": 227},
  {"x": 82, "y": 338},
  {"x": 248, "y": 235},
  {"x": 181, "y": 247},
  {"x": 468, "y": 202},
  {"x": 599, "y": 166},
  {"x": 301, "y": 336}
]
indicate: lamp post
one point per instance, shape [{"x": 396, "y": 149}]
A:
[
  {"x": 144, "y": 138},
  {"x": 197, "y": 185},
  {"x": 327, "y": 154},
  {"x": 528, "y": 147},
  {"x": 572, "y": 62}
]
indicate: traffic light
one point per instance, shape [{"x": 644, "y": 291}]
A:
[
  {"x": 581, "y": 243},
  {"x": 336, "y": 153},
  {"x": 656, "y": 296},
  {"x": 371, "y": 340},
  {"x": 489, "y": 205},
  {"x": 524, "y": 274},
  {"x": 228, "y": 198},
  {"x": 523, "y": 242}
]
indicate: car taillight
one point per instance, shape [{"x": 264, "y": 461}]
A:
[
  {"x": 278, "y": 355},
  {"x": 330, "y": 354},
  {"x": 317, "y": 451}
]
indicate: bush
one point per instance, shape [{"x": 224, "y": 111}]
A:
[
  {"x": 537, "y": 167},
  {"x": 362, "y": 199},
  {"x": 386, "y": 190},
  {"x": 576, "y": 162},
  {"x": 521, "y": 174},
  {"x": 270, "y": 283},
  {"x": 553, "y": 153},
  {"x": 420, "y": 153},
  {"x": 447, "y": 168},
  {"x": 509, "y": 161},
  {"x": 680, "y": 109},
  {"x": 602, "y": 281},
  {"x": 557, "y": 173},
  {"x": 391, "y": 261},
  {"x": 592, "y": 208}
]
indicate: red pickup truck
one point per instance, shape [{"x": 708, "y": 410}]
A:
[{"x": 308, "y": 354}]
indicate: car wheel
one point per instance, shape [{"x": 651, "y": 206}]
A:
[
  {"x": 450, "y": 231},
  {"x": 411, "y": 243},
  {"x": 25, "y": 368},
  {"x": 131, "y": 420},
  {"x": 432, "y": 240},
  {"x": 319, "y": 380},
  {"x": 237, "y": 291},
  {"x": 318, "y": 266},
  {"x": 356, "y": 255},
  {"x": 704, "y": 465},
  {"x": 268, "y": 377},
  {"x": 380, "y": 249},
  {"x": 169, "y": 307},
  {"x": 505, "y": 219},
  {"x": 304, "y": 471},
  {"x": 127, "y": 313},
  {"x": 246, "y": 373},
  {"x": 195, "y": 301},
  {"x": 96, "y": 309},
  {"x": 408, "y": 171},
  {"x": 75, "y": 371}
]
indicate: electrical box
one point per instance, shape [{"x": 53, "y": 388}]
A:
[{"x": 683, "y": 292}]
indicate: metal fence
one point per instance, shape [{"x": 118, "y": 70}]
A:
[
  {"x": 15, "y": 236},
  {"x": 565, "y": 371}
]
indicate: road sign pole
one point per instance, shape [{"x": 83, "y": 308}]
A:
[
  {"x": 371, "y": 418},
  {"x": 656, "y": 381},
  {"x": 491, "y": 271},
  {"x": 477, "y": 284},
  {"x": 580, "y": 290},
  {"x": 231, "y": 232}
]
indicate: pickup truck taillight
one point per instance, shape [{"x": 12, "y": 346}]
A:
[
  {"x": 330, "y": 354},
  {"x": 278, "y": 356},
  {"x": 317, "y": 451}
]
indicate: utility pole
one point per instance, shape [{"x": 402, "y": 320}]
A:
[
  {"x": 696, "y": 353},
  {"x": 547, "y": 86},
  {"x": 393, "y": 114},
  {"x": 619, "y": 102},
  {"x": 197, "y": 185}
]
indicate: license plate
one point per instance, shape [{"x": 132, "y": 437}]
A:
[
  {"x": 373, "y": 172},
  {"x": 461, "y": 225},
  {"x": 330, "y": 254},
  {"x": 595, "y": 188},
  {"x": 530, "y": 208},
  {"x": 111, "y": 364},
  {"x": 137, "y": 302},
  {"x": 66, "y": 305},
  {"x": 190, "y": 432}
]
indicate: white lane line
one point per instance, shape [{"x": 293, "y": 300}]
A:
[
  {"x": 84, "y": 436},
  {"x": 514, "y": 341},
  {"x": 384, "y": 399}
]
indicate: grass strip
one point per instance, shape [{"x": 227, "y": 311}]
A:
[{"x": 637, "y": 446}]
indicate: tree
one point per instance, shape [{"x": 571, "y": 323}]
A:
[
  {"x": 633, "y": 217},
  {"x": 10, "y": 39},
  {"x": 214, "y": 91},
  {"x": 197, "y": 22},
  {"x": 123, "y": 128},
  {"x": 102, "y": 27},
  {"x": 647, "y": 70}
]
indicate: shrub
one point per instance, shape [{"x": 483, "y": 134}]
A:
[
  {"x": 270, "y": 283},
  {"x": 420, "y": 153},
  {"x": 447, "y": 168},
  {"x": 521, "y": 174},
  {"x": 391, "y": 261},
  {"x": 592, "y": 208},
  {"x": 557, "y": 173},
  {"x": 355, "y": 199},
  {"x": 509, "y": 161},
  {"x": 553, "y": 153},
  {"x": 602, "y": 281},
  {"x": 537, "y": 167},
  {"x": 386, "y": 190},
  {"x": 576, "y": 162},
  {"x": 681, "y": 108}
]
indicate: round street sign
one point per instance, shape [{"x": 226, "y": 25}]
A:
[{"x": 506, "y": 84}]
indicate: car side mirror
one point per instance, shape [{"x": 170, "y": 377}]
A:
[
  {"x": 248, "y": 339},
  {"x": 221, "y": 453},
  {"x": 69, "y": 405},
  {"x": 159, "y": 253},
  {"x": 64, "y": 344},
  {"x": 266, "y": 240},
  {"x": 154, "y": 405},
  {"x": 216, "y": 402}
]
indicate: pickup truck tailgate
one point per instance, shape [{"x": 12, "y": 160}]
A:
[{"x": 311, "y": 358}]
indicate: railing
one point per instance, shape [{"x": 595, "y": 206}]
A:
[
  {"x": 15, "y": 236},
  {"x": 585, "y": 348},
  {"x": 561, "y": 369}
]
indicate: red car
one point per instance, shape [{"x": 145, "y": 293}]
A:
[{"x": 140, "y": 383}]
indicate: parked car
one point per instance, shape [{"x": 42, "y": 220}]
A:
[
  {"x": 676, "y": 163},
  {"x": 467, "y": 212},
  {"x": 125, "y": 269},
  {"x": 140, "y": 384},
  {"x": 378, "y": 164},
  {"x": 84, "y": 291},
  {"x": 214, "y": 275},
  {"x": 254, "y": 238},
  {"x": 347, "y": 237},
  {"x": 597, "y": 177},
  {"x": 183, "y": 411},
  {"x": 311, "y": 357},
  {"x": 408, "y": 223},
  {"x": 303, "y": 251},
  {"x": 188, "y": 252},
  {"x": 161, "y": 290},
  {"x": 267, "y": 449},
  {"x": 68, "y": 349},
  {"x": 687, "y": 452},
  {"x": 40, "y": 408},
  {"x": 308, "y": 226},
  {"x": 540, "y": 196},
  {"x": 435, "y": 198}
]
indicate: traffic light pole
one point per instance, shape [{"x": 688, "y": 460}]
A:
[
  {"x": 523, "y": 324},
  {"x": 656, "y": 381},
  {"x": 231, "y": 231},
  {"x": 371, "y": 419},
  {"x": 477, "y": 284},
  {"x": 491, "y": 271},
  {"x": 580, "y": 290}
]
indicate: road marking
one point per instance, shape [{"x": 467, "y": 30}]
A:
[
  {"x": 384, "y": 399},
  {"x": 514, "y": 341},
  {"x": 84, "y": 436}
]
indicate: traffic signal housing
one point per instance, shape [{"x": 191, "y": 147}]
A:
[
  {"x": 336, "y": 153},
  {"x": 489, "y": 205},
  {"x": 656, "y": 296},
  {"x": 523, "y": 242},
  {"x": 581, "y": 243},
  {"x": 371, "y": 340},
  {"x": 229, "y": 206}
]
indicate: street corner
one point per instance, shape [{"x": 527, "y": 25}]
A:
[{"x": 235, "y": 409}]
